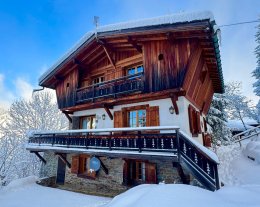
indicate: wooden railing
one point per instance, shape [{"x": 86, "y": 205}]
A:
[
  {"x": 113, "y": 88},
  {"x": 141, "y": 139},
  {"x": 255, "y": 131}
]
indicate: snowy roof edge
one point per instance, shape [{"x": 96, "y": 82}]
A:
[{"x": 161, "y": 20}]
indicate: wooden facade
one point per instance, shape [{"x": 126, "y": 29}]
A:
[{"x": 172, "y": 58}]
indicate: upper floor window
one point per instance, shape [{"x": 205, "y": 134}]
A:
[
  {"x": 99, "y": 79},
  {"x": 137, "y": 118},
  {"x": 135, "y": 70}
]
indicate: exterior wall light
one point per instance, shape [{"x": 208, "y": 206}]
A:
[
  {"x": 103, "y": 116},
  {"x": 171, "y": 110}
]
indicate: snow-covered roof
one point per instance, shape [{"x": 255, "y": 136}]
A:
[
  {"x": 182, "y": 17},
  {"x": 237, "y": 125}
]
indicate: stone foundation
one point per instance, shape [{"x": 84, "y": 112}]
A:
[{"x": 50, "y": 168}]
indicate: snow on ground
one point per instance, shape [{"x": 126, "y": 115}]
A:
[
  {"x": 26, "y": 193},
  {"x": 239, "y": 174}
]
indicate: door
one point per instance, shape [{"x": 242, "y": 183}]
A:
[{"x": 61, "y": 171}]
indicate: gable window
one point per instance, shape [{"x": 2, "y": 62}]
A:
[
  {"x": 98, "y": 80},
  {"x": 134, "y": 70},
  {"x": 88, "y": 122},
  {"x": 137, "y": 118}
]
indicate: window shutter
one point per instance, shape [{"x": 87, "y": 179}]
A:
[
  {"x": 75, "y": 164},
  {"x": 205, "y": 124},
  {"x": 191, "y": 121},
  {"x": 198, "y": 122},
  {"x": 152, "y": 116},
  {"x": 150, "y": 173},
  {"x": 118, "y": 119}
]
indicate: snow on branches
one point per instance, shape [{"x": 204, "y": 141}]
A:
[{"x": 40, "y": 112}]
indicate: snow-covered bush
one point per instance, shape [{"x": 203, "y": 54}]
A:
[{"x": 40, "y": 112}]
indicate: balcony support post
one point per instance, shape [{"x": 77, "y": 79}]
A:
[
  {"x": 39, "y": 156},
  {"x": 63, "y": 159}
]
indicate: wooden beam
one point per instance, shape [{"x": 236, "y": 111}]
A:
[
  {"x": 108, "y": 112},
  {"x": 107, "y": 50},
  {"x": 103, "y": 167},
  {"x": 68, "y": 116},
  {"x": 63, "y": 159},
  {"x": 174, "y": 99},
  {"x": 39, "y": 156},
  {"x": 80, "y": 64},
  {"x": 134, "y": 44}
]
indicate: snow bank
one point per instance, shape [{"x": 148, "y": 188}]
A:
[
  {"x": 29, "y": 194},
  {"x": 169, "y": 195},
  {"x": 21, "y": 183},
  {"x": 252, "y": 149}
]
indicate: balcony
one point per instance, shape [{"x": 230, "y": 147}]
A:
[
  {"x": 113, "y": 88},
  {"x": 137, "y": 143}
]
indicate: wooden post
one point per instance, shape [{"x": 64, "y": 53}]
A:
[
  {"x": 216, "y": 176},
  {"x": 178, "y": 145},
  {"x": 109, "y": 141},
  {"x": 139, "y": 144}
]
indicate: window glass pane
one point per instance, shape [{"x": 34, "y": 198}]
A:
[
  {"x": 84, "y": 124},
  {"x": 93, "y": 122},
  {"x": 141, "y": 118},
  {"x": 140, "y": 69}
]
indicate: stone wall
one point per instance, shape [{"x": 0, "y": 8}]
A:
[
  {"x": 111, "y": 184},
  {"x": 50, "y": 168}
]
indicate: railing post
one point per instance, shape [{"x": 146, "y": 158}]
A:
[
  {"x": 87, "y": 140},
  {"x": 216, "y": 176},
  {"x": 178, "y": 145},
  {"x": 109, "y": 141},
  {"x": 93, "y": 92},
  {"x": 52, "y": 141},
  {"x": 139, "y": 143}
]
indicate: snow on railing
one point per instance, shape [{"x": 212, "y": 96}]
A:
[{"x": 246, "y": 134}]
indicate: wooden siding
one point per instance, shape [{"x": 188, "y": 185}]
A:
[
  {"x": 168, "y": 72},
  {"x": 65, "y": 89}
]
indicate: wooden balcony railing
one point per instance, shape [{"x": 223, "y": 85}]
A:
[
  {"x": 195, "y": 157},
  {"x": 112, "y": 88}
]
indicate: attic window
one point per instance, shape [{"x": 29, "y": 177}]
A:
[
  {"x": 160, "y": 57},
  {"x": 68, "y": 85}
]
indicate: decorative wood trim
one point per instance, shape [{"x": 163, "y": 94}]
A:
[
  {"x": 68, "y": 116},
  {"x": 174, "y": 100},
  {"x": 108, "y": 112},
  {"x": 104, "y": 167}
]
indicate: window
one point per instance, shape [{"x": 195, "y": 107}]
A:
[
  {"x": 88, "y": 122},
  {"x": 80, "y": 166},
  {"x": 137, "y": 172},
  {"x": 135, "y": 70},
  {"x": 137, "y": 118},
  {"x": 98, "y": 80}
]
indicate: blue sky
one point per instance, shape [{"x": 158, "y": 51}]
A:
[{"x": 35, "y": 34}]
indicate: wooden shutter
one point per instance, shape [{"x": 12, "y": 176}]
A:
[
  {"x": 198, "y": 122},
  {"x": 152, "y": 116},
  {"x": 191, "y": 119},
  {"x": 118, "y": 119},
  {"x": 205, "y": 125},
  {"x": 75, "y": 164},
  {"x": 150, "y": 173}
]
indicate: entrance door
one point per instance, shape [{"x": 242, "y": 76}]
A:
[{"x": 61, "y": 171}]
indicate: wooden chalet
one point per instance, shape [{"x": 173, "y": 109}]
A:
[{"x": 136, "y": 95}]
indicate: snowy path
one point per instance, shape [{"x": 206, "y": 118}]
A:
[{"x": 25, "y": 193}]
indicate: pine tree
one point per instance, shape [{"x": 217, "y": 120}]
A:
[
  {"x": 217, "y": 119},
  {"x": 256, "y": 72}
]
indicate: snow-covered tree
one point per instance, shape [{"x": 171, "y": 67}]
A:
[
  {"x": 217, "y": 119},
  {"x": 239, "y": 106},
  {"x": 256, "y": 72},
  {"x": 39, "y": 113}
]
